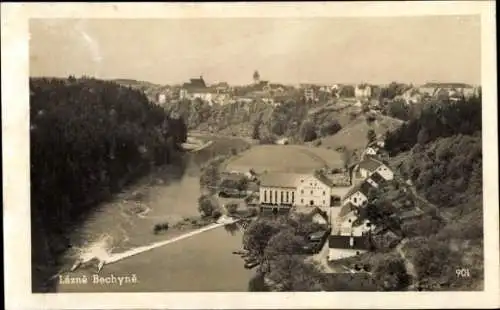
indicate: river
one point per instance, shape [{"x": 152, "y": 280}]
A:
[{"x": 201, "y": 262}]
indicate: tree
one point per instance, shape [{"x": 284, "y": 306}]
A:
[
  {"x": 371, "y": 136},
  {"x": 284, "y": 242},
  {"x": 347, "y": 157},
  {"x": 331, "y": 127},
  {"x": 257, "y": 283},
  {"x": 257, "y": 235},
  {"x": 231, "y": 208},
  {"x": 256, "y": 76},
  {"x": 206, "y": 206},
  {"x": 256, "y": 129},
  {"x": 392, "y": 275},
  {"x": 308, "y": 131},
  {"x": 290, "y": 273}
]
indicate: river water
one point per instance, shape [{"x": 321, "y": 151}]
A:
[{"x": 201, "y": 262}]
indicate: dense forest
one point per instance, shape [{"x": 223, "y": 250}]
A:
[
  {"x": 89, "y": 138},
  {"x": 442, "y": 151},
  {"x": 436, "y": 120}
]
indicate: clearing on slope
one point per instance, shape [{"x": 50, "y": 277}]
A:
[
  {"x": 285, "y": 158},
  {"x": 353, "y": 136}
]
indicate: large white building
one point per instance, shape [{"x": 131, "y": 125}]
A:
[{"x": 291, "y": 189}]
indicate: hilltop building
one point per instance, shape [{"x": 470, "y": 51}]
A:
[{"x": 363, "y": 91}]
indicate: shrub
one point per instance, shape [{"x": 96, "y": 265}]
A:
[
  {"x": 216, "y": 214},
  {"x": 206, "y": 206},
  {"x": 317, "y": 143},
  {"x": 307, "y": 131},
  {"x": 392, "y": 275},
  {"x": 231, "y": 208},
  {"x": 267, "y": 139},
  {"x": 371, "y": 118},
  {"x": 159, "y": 227},
  {"x": 330, "y": 128}
]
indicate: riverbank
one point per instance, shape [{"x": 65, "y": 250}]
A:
[{"x": 168, "y": 196}]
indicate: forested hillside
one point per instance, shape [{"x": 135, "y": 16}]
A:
[
  {"x": 294, "y": 119},
  {"x": 88, "y": 139},
  {"x": 441, "y": 153}
]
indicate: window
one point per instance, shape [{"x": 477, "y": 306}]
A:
[
  {"x": 302, "y": 201},
  {"x": 355, "y": 200},
  {"x": 323, "y": 202},
  {"x": 302, "y": 181},
  {"x": 286, "y": 196},
  {"x": 265, "y": 195},
  {"x": 311, "y": 192},
  {"x": 293, "y": 196},
  {"x": 324, "y": 193},
  {"x": 302, "y": 191},
  {"x": 275, "y": 196},
  {"x": 357, "y": 252},
  {"x": 281, "y": 197}
]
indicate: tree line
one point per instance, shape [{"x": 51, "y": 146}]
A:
[{"x": 437, "y": 119}]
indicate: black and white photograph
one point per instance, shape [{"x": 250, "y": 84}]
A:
[{"x": 231, "y": 153}]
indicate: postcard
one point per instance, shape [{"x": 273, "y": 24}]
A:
[{"x": 275, "y": 155}]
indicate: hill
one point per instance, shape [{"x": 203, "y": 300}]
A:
[
  {"x": 88, "y": 139},
  {"x": 440, "y": 152},
  {"x": 285, "y": 120},
  {"x": 353, "y": 136}
]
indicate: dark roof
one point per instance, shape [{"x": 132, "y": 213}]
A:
[
  {"x": 198, "y": 84},
  {"x": 349, "y": 242},
  {"x": 272, "y": 179},
  {"x": 346, "y": 209},
  {"x": 377, "y": 177},
  {"x": 362, "y": 86},
  {"x": 370, "y": 164},
  {"x": 323, "y": 179},
  {"x": 364, "y": 187},
  {"x": 322, "y": 213}
]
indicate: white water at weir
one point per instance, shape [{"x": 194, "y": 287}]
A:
[{"x": 102, "y": 250}]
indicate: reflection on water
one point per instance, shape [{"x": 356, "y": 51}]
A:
[{"x": 232, "y": 228}]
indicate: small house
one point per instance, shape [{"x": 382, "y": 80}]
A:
[
  {"x": 346, "y": 246},
  {"x": 371, "y": 165},
  {"x": 358, "y": 194}
]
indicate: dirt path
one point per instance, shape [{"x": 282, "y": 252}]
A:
[
  {"x": 429, "y": 204},
  {"x": 410, "y": 268}
]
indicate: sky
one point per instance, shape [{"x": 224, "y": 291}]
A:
[{"x": 286, "y": 50}]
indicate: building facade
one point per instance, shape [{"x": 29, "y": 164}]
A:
[
  {"x": 289, "y": 189},
  {"x": 313, "y": 192},
  {"x": 346, "y": 246},
  {"x": 362, "y": 91}
]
